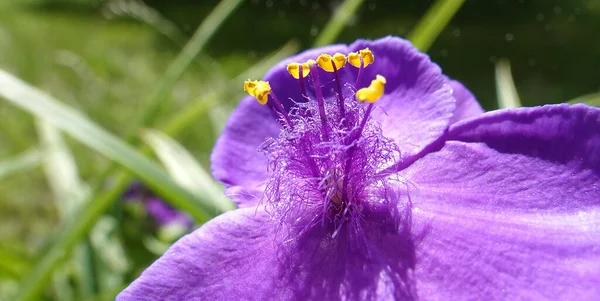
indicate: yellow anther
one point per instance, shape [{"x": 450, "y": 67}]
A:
[
  {"x": 367, "y": 57},
  {"x": 249, "y": 86},
  {"x": 292, "y": 69},
  {"x": 325, "y": 61},
  {"x": 259, "y": 89},
  {"x": 354, "y": 59},
  {"x": 373, "y": 92}
]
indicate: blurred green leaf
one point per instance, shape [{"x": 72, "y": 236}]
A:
[
  {"x": 20, "y": 163},
  {"x": 69, "y": 192},
  {"x": 112, "y": 263},
  {"x": 61, "y": 170},
  {"x": 185, "y": 169},
  {"x": 592, "y": 99},
  {"x": 505, "y": 86},
  {"x": 434, "y": 21},
  {"x": 14, "y": 263},
  {"x": 218, "y": 114},
  {"x": 337, "y": 22}
]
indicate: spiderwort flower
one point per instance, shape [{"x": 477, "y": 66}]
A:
[{"x": 378, "y": 178}]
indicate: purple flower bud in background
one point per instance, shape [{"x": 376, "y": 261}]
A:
[
  {"x": 366, "y": 174},
  {"x": 158, "y": 209}
]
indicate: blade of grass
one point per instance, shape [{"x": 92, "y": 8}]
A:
[
  {"x": 69, "y": 193},
  {"x": 189, "y": 114},
  {"x": 142, "y": 12},
  {"x": 185, "y": 169},
  {"x": 176, "y": 69},
  {"x": 592, "y": 99},
  {"x": 70, "y": 233},
  {"x": 338, "y": 21},
  {"x": 434, "y": 21},
  {"x": 111, "y": 260},
  {"x": 22, "y": 162},
  {"x": 218, "y": 117},
  {"x": 505, "y": 86},
  {"x": 61, "y": 170}
]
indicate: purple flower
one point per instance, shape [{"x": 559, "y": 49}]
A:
[
  {"x": 160, "y": 211},
  {"x": 420, "y": 195}
]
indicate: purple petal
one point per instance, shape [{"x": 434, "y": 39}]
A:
[
  {"x": 245, "y": 255},
  {"x": 527, "y": 159},
  {"x": 466, "y": 104},
  {"x": 229, "y": 258},
  {"x": 479, "y": 255},
  {"x": 415, "y": 111},
  {"x": 511, "y": 211}
]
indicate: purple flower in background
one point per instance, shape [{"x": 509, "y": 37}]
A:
[
  {"x": 160, "y": 211},
  {"x": 410, "y": 193}
]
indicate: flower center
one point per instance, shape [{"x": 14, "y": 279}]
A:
[{"x": 328, "y": 157}]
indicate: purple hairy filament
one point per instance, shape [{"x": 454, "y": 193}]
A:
[{"x": 326, "y": 162}]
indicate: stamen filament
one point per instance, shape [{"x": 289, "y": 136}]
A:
[
  {"x": 347, "y": 174},
  {"x": 276, "y": 114},
  {"x": 339, "y": 88},
  {"x": 281, "y": 109},
  {"x": 360, "y": 69},
  {"x": 351, "y": 152},
  {"x": 301, "y": 81},
  {"x": 364, "y": 121},
  {"x": 321, "y": 102}
]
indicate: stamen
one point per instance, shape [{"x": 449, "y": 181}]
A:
[
  {"x": 320, "y": 100},
  {"x": 282, "y": 110},
  {"x": 299, "y": 72},
  {"x": 361, "y": 60},
  {"x": 333, "y": 64},
  {"x": 339, "y": 88},
  {"x": 301, "y": 81},
  {"x": 373, "y": 92},
  {"x": 261, "y": 91},
  {"x": 328, "y": 62},
  {"x": 276, "y": 114},
  {"x": 359, "y": 73}
]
